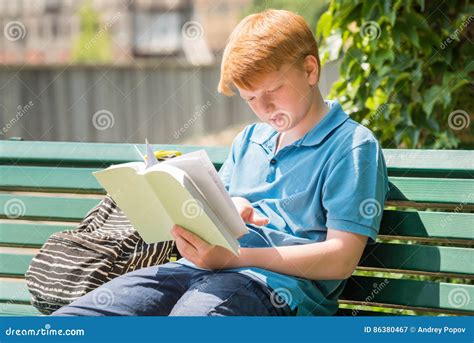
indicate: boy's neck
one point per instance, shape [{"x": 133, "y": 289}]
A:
[{"x": 316, "y": 112}]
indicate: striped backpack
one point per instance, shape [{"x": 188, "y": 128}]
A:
[{"x": 74, "y": 262}]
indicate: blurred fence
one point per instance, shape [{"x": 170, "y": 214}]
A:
[{"x": 167, "y": 104}]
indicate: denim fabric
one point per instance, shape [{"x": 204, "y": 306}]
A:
[{"x": 173, "y": 289}]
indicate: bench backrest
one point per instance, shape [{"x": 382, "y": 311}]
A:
[{"x": 422, "y": 261}]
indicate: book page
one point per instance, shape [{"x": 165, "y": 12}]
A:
[
  {"x": 201, "y": 170},
  {"x": 137, "y": 200},
  {"x": 137, "y": 166},
  {"x": 187, "y": 207}
]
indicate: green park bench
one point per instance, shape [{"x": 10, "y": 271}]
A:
[{"x": 422, "y": 263}]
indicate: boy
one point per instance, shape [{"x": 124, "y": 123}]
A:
[{"x": 310, "y": 181}]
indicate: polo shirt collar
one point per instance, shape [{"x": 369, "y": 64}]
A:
[{"x": 334, "y": 118}]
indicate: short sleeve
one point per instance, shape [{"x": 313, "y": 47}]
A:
[
  {"x": 355, "y": 190},
  {"x": 225, "y": 173}
]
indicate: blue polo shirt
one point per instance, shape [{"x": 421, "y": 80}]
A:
[{"x": 333, "y": 177}]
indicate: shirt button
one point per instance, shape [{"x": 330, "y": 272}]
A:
[{"x": 273, "y": 161}]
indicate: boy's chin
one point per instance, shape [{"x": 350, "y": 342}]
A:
[
  {"x": 280, "y": 126},
  {"x": 279, "y": 130}
]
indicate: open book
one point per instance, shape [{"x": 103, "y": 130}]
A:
[{"x": 185, "y": 190}]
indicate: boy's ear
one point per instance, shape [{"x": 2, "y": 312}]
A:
[{"x": 311, "y": 69}]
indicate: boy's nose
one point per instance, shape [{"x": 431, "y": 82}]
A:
[
  {"x": 268, "y": 106},
  {"x": 263, "y": 106}
]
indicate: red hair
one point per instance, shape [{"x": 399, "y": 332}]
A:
[{"x": 262, "y": 43}]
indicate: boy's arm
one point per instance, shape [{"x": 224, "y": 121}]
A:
[{"x": 335, "y": 258}]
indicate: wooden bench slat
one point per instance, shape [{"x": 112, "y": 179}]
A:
[
  {"x": 413, "y": 224},
  {"x": 14, "y": 291},
  {"x": 431, "y": 190},
  {"x": 88, "y": 154},
  {"x": 80, "y": 180},
  {"x": 410, "y": 293},
  {"x": 72, "y": 180},
  {"x": 8, "y": 309},
  {"x": 428, "y": 224},
  {"x": 422, "y": 258},
  {"x": 14, "y": 264},
  {"x": 394, "y": 223},
  {"x": 430, "y": 163},
  {"x": 406, "y": 161},
  {"x": 28, "y": 234},
  {"x": 403, "y": 257},
  {"x": 409, "y": 257},
  {"x": 47, "y": 208}
]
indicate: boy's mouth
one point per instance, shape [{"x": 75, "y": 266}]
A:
[
  {"x": 277, "y": 116},
  {"x": 281, "y": 120}
]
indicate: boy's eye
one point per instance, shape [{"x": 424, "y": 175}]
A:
[
  {"x": 274, "y": 90},
  {"x": 250, "y": 99}
]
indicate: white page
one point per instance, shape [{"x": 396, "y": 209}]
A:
[
  {"x": 151, "y": 158},
  {"x": 176, "y": 189},
  {"x": 201, "y": 170}
]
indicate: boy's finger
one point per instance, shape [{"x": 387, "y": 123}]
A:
[
  {"x": 259, "y": 220},
  {"x": 190, "y": 237},
  {"x": 179, "y": 234},
  {"x": 184, "y": 247}
]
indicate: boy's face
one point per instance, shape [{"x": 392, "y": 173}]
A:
[{"x": 284, "y": 97}]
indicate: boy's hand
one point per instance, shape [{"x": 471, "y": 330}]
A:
[
  {"x": 201, "y": 253},
  {"x": 247, "y": 212}
]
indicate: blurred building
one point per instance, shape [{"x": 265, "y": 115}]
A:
[{"x": 48, "y": 31}]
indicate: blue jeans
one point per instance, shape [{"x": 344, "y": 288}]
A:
[{"x": 173, "y": 289}]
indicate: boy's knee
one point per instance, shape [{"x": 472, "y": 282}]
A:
[
  {"x": 74, "y": 311},
  {"x": 223, "y": 294},
  {"x": 63, "y": 311}
]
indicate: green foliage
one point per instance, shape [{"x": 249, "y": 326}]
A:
[
  {"x": 94, "y": 42},
  {"x": 406, "y": 66}
]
